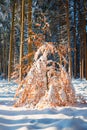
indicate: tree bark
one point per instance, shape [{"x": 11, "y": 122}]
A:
[
  {"x": 30, "y": 29},
  {"x": 74, "y": 39},
  {"x": 68, "y": 33},
  {"x": 11, "y": 43},
  {"x": 84, "y": 24},
  {"x": 22, "y": 38},
  {"x": 81, "y": 33}
]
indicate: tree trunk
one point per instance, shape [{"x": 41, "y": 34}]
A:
[
  {"x": 22, "y": 38},
  {"x": 0, "y": 62},
  {"x": 74, "y": 39},
  {"x": 11, "y": 43},
  {"x": 68, "y": 33},
  {"x": 81, "y": 59},
  {"x": 81, "y": 33},
  {"x": 30, "y": 29},
  {"x": 4, "y": 57},
  {"x": 84, "y": 35}
]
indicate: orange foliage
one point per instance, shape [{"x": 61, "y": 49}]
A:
[{"x": 47, "y": 83}]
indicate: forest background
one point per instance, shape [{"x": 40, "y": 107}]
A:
[{"x": 25, "y": 25}]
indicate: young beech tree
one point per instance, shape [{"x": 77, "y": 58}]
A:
[{"x": 47, "y": 82}]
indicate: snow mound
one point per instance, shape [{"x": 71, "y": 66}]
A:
[{"x": 47, "y": 84}]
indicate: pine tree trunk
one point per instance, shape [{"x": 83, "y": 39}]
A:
[
  {"x": 4, "y": 50},
  {"x": 81, "y": 60},
  {"x": 30, "y": 29},
  {"x": 6, "y": 60},
  {"x": 11, "y": 43},
  {"x": 0, "y": 62},
  {"x": 74, "y": 39},
  {"x": 22, "y": 38},
  {"x": 81, "y": 30},
  {"x": 84, "y": 35},
  {"x": 86, "y": 64},
  {"x": 68, "y": 33},
  {"x": 4, "y": 57}
]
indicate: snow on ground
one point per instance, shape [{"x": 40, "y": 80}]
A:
[{"x": 61, "y": 118}]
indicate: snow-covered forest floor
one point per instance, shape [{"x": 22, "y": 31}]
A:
[{"x": 60, "y": 118}]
